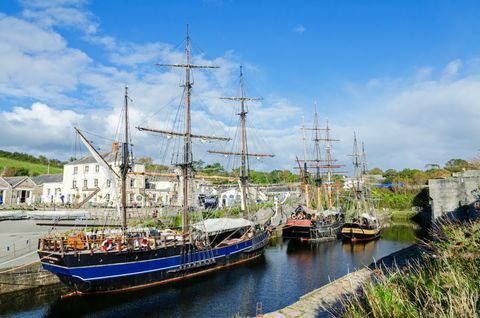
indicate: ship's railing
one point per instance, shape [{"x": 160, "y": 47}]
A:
[
  {"x": 106, "y": 243},
  {"x": 103, "y": 242}
]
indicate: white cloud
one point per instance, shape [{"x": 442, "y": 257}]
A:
[
  {"x": 452, "y": 68},
  {"x": 63, "y": 13},
  {"x": 418, "y": 120},
  {"x": 299, "y": 29}
]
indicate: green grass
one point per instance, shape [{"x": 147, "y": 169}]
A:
[
  {"x": 445, "y": 284},
  {"x": 33, "y": 168}
]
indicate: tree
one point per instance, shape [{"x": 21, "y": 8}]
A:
[
  {"x": 147, "y": 161},
  {"x": 214, "y": 169},
  {"x": 198, "y": 165},
  {"x": 375, "y": 171},
  {"x": 389, "y": 175},
  {"x": 456, "y": 165}
]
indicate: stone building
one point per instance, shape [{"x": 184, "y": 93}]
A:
[{"x": 17, "y": 191}]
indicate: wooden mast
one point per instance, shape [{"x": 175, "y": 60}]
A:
[
  {"x": 125, "y": 166},
  {"x": 329, "y": 164},
  {"x": 305, "y": 173},
  {"x": 357, "y": 172},
  {"x": 186, "y": 165},
  {"x": 244, "y": 154},
  {"x": 364, "y": 159}
]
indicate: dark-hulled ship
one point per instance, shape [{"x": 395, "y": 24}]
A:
[
  {"x": 307, "y": 224},
  {"x": 364, "y": 226},
  {"x": 112, "y": 260}
]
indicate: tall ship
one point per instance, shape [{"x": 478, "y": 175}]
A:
[
  {"x": 321, "y": 223},
  {"x": 364, "y": 224},
  {"x": 124, "y": 259}
]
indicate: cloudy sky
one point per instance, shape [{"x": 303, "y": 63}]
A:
[{"x": 404, "y": 75}]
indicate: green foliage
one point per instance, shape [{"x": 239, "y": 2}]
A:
[
  {"x": 456, "y": 165},
  {"x": 19, "y": 156},
  {"x": 150, "y": 166},
  {"x": 13, "y": 167},
  {"x": 375, "y": 171},
  {"x": 386, "y": 198},
  {"x": 446, "y": 284}
]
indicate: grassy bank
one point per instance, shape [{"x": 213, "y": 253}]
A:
[
  {"x": 446, "y": 284},
  {"x": 27, "y": 168}
]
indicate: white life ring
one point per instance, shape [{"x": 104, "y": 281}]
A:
[
  {"x": 107, "y": 245},
  {"x": 144, "y": 242}
]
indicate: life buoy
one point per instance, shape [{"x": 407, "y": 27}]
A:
[
  {"x": 107, "y": 245},
  {"x": 152, "y": 243},
  {"x": 144, "y": 242}
]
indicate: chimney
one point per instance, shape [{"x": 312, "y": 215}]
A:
[{"x": 115, "y": 146}]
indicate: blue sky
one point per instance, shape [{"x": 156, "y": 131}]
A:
[{"x": 403, "y": 74}]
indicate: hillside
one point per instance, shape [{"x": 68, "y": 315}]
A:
[{"x": 12, "y": 167}]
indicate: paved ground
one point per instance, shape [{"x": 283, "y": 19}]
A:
[{"x": 19, "y": 241}]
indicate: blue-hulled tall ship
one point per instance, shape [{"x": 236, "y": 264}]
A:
[{"x": 127, "y": 259}]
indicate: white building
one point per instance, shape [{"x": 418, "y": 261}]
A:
[
  {"x": 85, "y": 180},
  {"x": 49, "y": 188}
]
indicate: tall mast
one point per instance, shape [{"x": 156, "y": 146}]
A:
[
  {"x": 330, "y": 164},
  {"x": 358, "y": 174},
  {"x": 187, "y": 141},
  {"x": 186, "y": 165},
  {"x": 318, "y": 179},
  {"x": 305, "y": 173},
  {"x": 244, "y": 154},
  {"x": 364, "y": 160},
  {"x": 244, "y": 158},
  {"x": 125, "y": 165},
  {"x": 329, "y": 169}
]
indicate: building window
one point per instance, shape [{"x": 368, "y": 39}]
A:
[
  {"x": 85, "y": 183},
  {"x": 74, "y": 184},
  {"x": 132, "y": 183},
  {"x": 86, "y": 168},
  {"x": 75, "y": 170},
  {"x": 95, "y": 182},
  {"x": 48, "y": 191},
  {"x": 107, "y": 197},
  {"x": 97, "y": 168},
  {"x": 109, "y": 183},
  {"x": 131, "y": 197}
]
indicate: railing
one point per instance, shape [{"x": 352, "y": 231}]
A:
[{"x": 106, "y": 243}]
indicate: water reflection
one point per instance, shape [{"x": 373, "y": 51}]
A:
[{"x": 288, "y": 270}]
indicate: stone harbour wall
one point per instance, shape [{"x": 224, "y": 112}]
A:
[{"x": 25, "y": 277}]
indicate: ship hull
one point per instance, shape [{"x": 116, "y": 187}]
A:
[
  {"x": 124, "y": 271},
  {"x": 354, "y": 232},
  {"x": 307, "y": 230}
]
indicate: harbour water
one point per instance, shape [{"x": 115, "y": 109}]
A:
[{"x": 288, "y": 270}]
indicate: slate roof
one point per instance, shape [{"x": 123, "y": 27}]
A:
[
  {"x": 108, "y": 156},
  {"x": 13, "y": 181},
  {"x": 47, "y": 178}
]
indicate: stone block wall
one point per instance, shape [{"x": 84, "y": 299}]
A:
[
  {"x": 22, "y": 278},
  {"x": 455, "y": 194}
]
